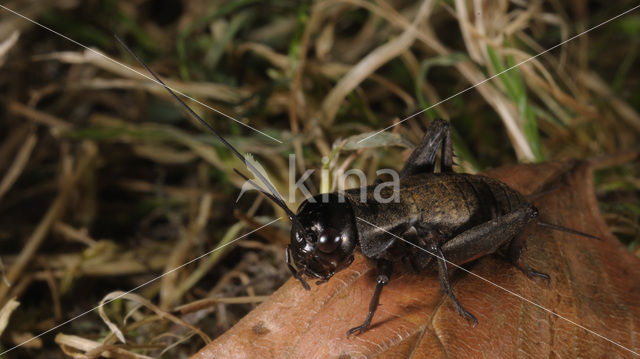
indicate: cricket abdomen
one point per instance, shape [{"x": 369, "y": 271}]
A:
[{"x": 452, "y": 203}]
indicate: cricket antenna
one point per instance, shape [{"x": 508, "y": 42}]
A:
[
  {"x": 272, "y": 193},
  {"x": 556, "y": 227}
]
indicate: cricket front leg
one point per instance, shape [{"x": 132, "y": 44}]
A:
[{"x": 385, "y": 267}]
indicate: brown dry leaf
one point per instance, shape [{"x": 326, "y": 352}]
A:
[{"x": 594, "y": 283}]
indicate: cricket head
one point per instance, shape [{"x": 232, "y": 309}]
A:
[{"x": 325, "y": 239}]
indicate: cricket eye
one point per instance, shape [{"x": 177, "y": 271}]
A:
[{"x": 329, "y": 240}]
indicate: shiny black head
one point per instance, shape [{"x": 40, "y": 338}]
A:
[{"x": 325, "y": 243}]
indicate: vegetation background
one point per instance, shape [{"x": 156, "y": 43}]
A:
[{"x": 105, "y": 183}]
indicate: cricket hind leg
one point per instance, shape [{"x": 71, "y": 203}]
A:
[
  {"x": 423, "y": 157},
  {"x": 479, "y": 241},
  {"x": 445, "y": 283},
  {"x": 514, "y": 256},
  {"x": 430, "y": 241}
]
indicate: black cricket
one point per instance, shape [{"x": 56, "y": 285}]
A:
[{"x": 450, "y": 216}]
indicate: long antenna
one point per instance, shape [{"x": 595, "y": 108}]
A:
[
  {"x": 274, "y": 196},
  {"x": 556, "y": 227}
]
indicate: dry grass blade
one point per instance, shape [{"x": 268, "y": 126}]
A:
[
  {"x": 5, "y": 313},
  {"x": 206, "y": 264},
  {"x": 624, "y": 110},
  {"x": 209, "y": 302},
  {"x": 38, "y": 116},
  {"x": 210, "y": 90},
  {"x": 169, "y": 294},
  {"x": 369, "y": 64},
  {"x": 149, "y": 305},
  {"x": 18, "y": 165},
  {"x": 81, "y": 348},
  {"x": 55, "y": 210},
  {"x": 7, "y": 44}
]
